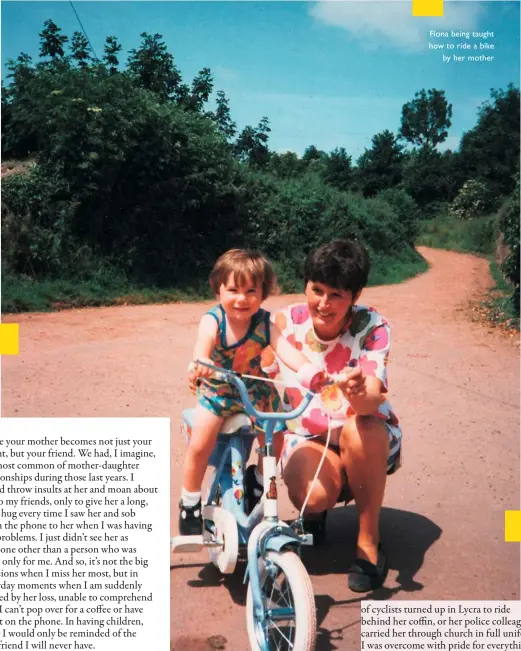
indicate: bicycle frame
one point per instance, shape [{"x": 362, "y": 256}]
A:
[
  {"x": 261, "y": 532},
  {"x": 229, "y": 479}
]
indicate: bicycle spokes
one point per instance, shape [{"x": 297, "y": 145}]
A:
[{"x": 280, "y": 612}]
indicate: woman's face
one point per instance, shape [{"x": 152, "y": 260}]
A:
[{"x": 329, "y": 308}]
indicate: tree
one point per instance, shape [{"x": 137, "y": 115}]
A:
[
  {"x": 52, "y": 42},
  {"x": 312, "y": 153},
  {"x": 285, "y": 165},
  {"x": 381, "y": 166},
  {"x": 222, "y": 116},
  {"x": 153, "y": 68},
  {"x": 251, "y": 145},
  {"x": 426, "y": 118},
  {"x": 80, "y": 47},
  {"x": 490, "y": 151},
  {"x": 425, "y": 177},
  {"x": 202, "y": 87},
  {"x": 19, "y": 136},
  {"x": 111, "y": 49},
  {"x": 338, "y": 169}
]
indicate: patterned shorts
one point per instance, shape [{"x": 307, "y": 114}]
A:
[
  {"x": 225, "y": 405},
  {"x": 394, "y": 461}
]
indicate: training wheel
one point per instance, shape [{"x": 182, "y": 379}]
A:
[{"x": 224, "y": 557}]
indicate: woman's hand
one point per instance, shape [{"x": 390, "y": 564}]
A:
[
  {"x": 353, "y": 383},
  {"x": 364, "y": 392}
]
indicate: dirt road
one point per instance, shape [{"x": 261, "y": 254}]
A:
[{"x": 454, "y": 384}]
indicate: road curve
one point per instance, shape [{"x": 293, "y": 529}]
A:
[{"x": 454, "y": 384}]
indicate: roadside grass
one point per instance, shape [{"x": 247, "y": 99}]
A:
[{"x": 25, "y": 294}]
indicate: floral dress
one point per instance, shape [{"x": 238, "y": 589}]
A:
[
  {"x": 364, "y": 342},
  {"x": 222, "y": 398}
]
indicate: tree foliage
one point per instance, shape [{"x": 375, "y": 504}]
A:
[
  {"x": 509, "y": 226},
  {"x": 338, "y": 170},
  {"x": 490, "y": 151},
  {"x": 471, "y": 200},
  {"x": 110, "y": 57},
  {"x": 132, "y": 173},
  {"x": 426, "y": 119},
  {"x": 152, "y": 67},
  {"x": 380, "y": 167},
  {"x": 52, "y": 41},
  {"x": 80, "y": 50},
  {"x": 222, "y": 116},
  {"x": 252, "y": 144}
]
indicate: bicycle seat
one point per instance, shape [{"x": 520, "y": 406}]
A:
[{"x": 231, "y": 425}]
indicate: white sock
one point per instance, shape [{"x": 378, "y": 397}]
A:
[
  {"x": 190, "y": 499},
  {"x": 258, "y": 476}
]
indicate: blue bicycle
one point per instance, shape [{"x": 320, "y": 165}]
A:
[{"x": 281, "y": 614}]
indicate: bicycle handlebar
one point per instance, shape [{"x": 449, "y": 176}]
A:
[{"x": 234, "y": 378}]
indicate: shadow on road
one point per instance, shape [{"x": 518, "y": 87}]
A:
[{"x": 406, "y": 537}]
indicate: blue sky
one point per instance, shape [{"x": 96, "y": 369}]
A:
[{"x": 332, "y": 74}]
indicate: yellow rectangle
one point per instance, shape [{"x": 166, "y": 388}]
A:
[
  {"x": 512, "y": 526},
  {"x": 8, "y": 338},
  {"x": 427, "y": 7}
]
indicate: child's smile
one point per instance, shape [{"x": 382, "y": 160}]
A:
[{"x": 240, "y": 302}]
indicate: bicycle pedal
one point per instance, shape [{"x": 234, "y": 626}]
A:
[{"x": 187, "y": 544}]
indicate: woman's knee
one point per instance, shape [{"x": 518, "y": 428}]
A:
[
  {"x": 319, "y": 499},
  {"x": 367, "y": 432},
  {"x": 299, "y": 472}
]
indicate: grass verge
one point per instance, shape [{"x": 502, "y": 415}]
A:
[{"x": 24, "y": 294}]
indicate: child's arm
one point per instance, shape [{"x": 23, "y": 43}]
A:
[
  {"x": 203, "y": 348},
  {"x": 289, "y": 355}
]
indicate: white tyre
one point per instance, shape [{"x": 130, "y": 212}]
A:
[
  {"x": 224, "y": 557},
  {"x": 285, "y": 584}
]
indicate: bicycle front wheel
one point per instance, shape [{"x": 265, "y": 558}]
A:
[{"x": 290, "y": 622}]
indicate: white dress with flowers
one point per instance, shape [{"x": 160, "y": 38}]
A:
[{"x": 365, "y": 342}]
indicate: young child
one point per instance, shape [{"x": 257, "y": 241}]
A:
[{"x": 231, "y": 335}]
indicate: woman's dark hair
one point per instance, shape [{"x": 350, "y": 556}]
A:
[{"x": 342, "y": 264}]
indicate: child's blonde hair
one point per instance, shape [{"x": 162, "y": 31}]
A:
[{"x": 246, "y": 265}]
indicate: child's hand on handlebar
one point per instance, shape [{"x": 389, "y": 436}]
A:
[{"x": 198, "y": 371}]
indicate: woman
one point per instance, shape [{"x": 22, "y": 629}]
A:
[{"x": 334, "y": 332}]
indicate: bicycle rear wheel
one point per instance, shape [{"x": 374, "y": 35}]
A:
[
  {"x": 290, "y": 623},
  {"x": 224, "y": 529}
]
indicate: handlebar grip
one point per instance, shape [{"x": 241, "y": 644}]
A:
[{"x": 234, "y": 378}]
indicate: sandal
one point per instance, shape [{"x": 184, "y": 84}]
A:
[{"x": 364, "y": 576}]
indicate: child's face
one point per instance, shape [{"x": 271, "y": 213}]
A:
[{"x": 240, "y": 302}]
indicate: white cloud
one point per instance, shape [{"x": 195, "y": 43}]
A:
[{"x": 390, "y": 22}]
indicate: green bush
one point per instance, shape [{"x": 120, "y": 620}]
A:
[
  {"x": 286, "y": 219},
  {"x": 471, "y": 201},
  {"x": 406, "y": 209},
  {"x": 150, "y": 188},
  {"x": 509, "y": 226}
]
